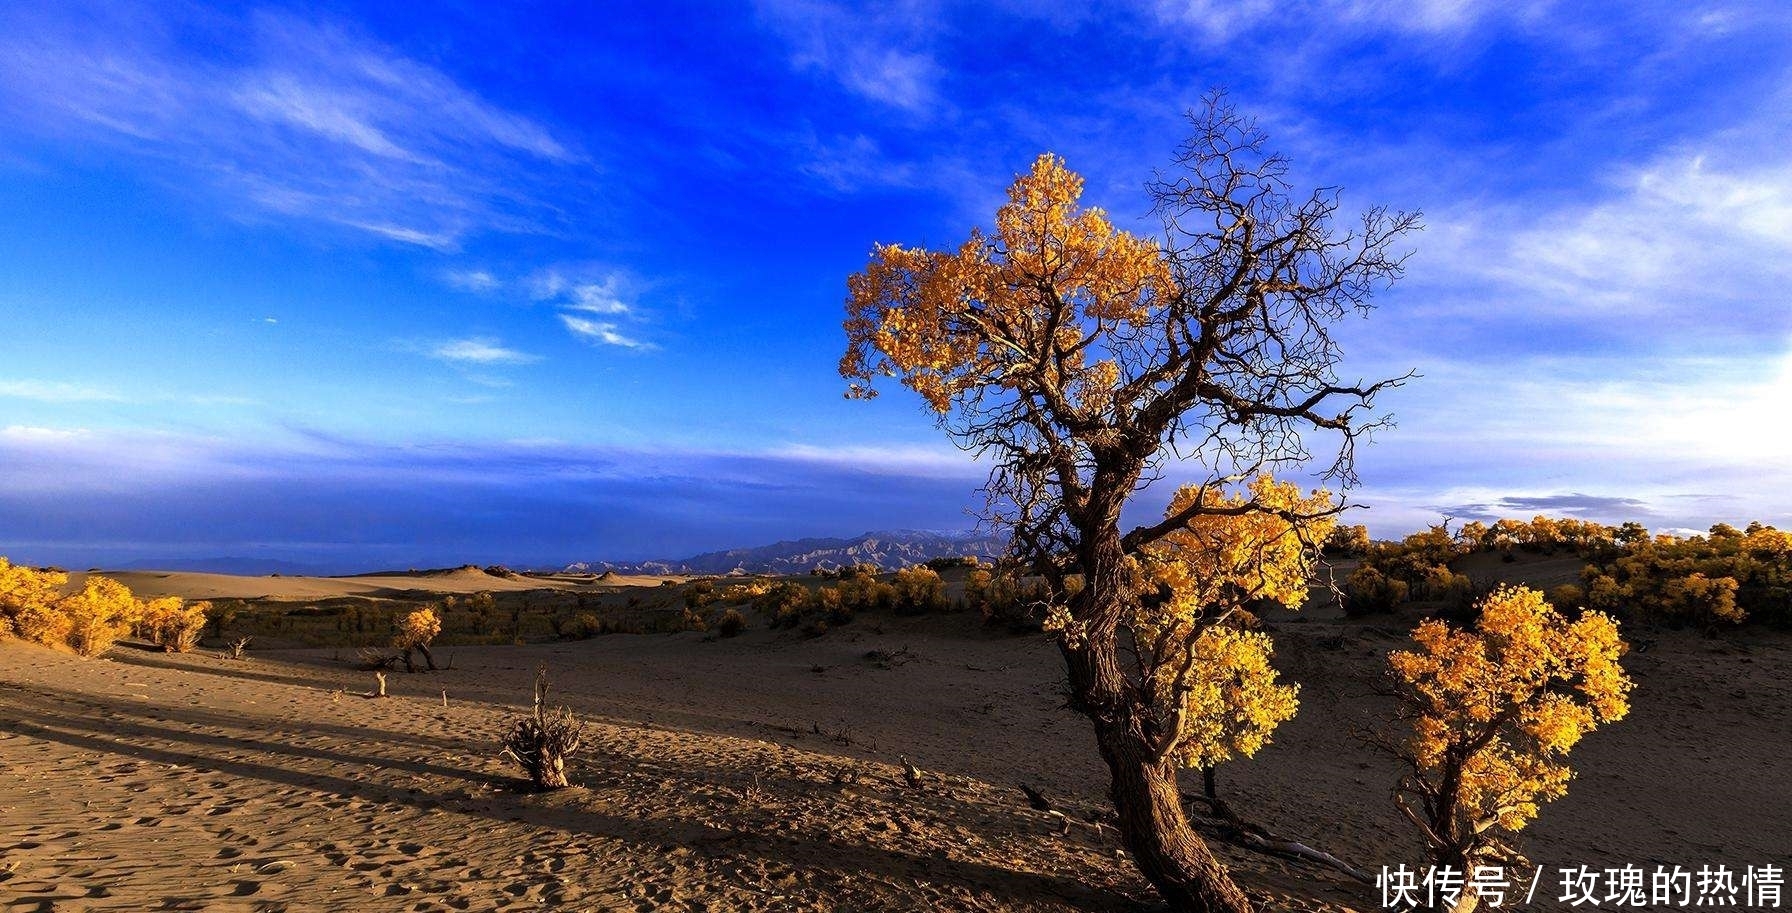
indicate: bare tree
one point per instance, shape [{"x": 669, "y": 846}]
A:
[{"x": 1082, "y": 360}]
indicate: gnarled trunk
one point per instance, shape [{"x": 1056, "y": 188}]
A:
[{"x": 1143, "y": 786}]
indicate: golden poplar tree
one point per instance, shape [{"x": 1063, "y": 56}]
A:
[
  {"x": 415, "y": 633},
  {"x": 1493, "y": 713},
  {"x": 1081, "y": 358},
  {"x": 1200, "y": 583},
  {"x": 173, "y": 623}
]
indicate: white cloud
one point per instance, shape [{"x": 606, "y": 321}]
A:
[
  {"x": 472, "y": 280},
  {"x": 578, "y": 294},
  {"x": 481, "y": 350},
  {"x": 869, "y": 53},
  {"x": 1681, "y": 239},
  {"x": 304, "y": 120},
  {"x": 599, "y": 331},
  {"x": 597, "y": 298},
  {"x": 600, "y": 293},
  {"x": 49, "y": 391},
  {"x": 1218, "y": 20},
  {"x": 29, "y": 434},
  {"x": 937, "y": 462},
  {"x": 853, "y": 163},
  {"x": 897, "y": 78}
]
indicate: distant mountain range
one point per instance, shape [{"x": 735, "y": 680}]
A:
[{"x": 886, "y": 549}]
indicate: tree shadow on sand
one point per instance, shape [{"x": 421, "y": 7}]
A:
[{"x": 124, "y": 732}]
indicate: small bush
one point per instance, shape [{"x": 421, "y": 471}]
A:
[
  {"x": 28, "y": 608},
  {"x": 101, "y": 613},
  {"x": 1370, "y": 592},
  {"x": 581, "y": 626},
  {"x": 415, "y": 633},
  {"x": 699, "y": 594},
  {"x": 1567, "y": 597},
  {"x": 731, "y": 623},
  {"x": 918, "y": 590},
  {"x": 1006, "y": 601},
  {"x": 952, "y": 561},
  {"x": 687, "y": 620},
  {"x": 173, "y": 624}
]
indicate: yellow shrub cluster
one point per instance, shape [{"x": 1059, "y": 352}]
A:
[{"x": 89, "y": 620}]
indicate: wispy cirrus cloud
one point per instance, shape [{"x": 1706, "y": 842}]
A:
[
  {"x": 1219, "y": 20},
  {"x": 1573, "y": 503},
  {"x": 596, "y": 305},
  {"x": 602, "y": 332},
  {"x": 472, "y": 280},
  {"x": 306, "y": 120},
  {"x": 51, "y": 391},
  {"x": 602, "y": 293},
  {"x": 1665, "y": 241},
  {"x": 871, "y": 54},
  {"x": 480, "y": 350},
  {"x": 65, "y": 393}
]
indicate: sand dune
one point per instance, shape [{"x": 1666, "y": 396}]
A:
[{"x": 457, "y": 581}]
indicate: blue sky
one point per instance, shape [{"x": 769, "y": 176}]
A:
[{"x": 362, "y": 284}]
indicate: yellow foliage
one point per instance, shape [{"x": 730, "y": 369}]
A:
[
  {"x": 1224, "y": 560},
  {"x": 741, "y": 592},
  {"x": 1495, "y": 710},
  {"x": 950, "y": 322},
  {"x": 1232, "y": 700},
  {"x": 918, "y": 590},
  {"x": 174, "y": 624},
  {"x": 28, "y": 607},
  {"x": 1214, "y": 679},
  {"x": 103, "y": 611},
  {"x": 1698, "y": 596},
  {"x": 418, "y": 629}
]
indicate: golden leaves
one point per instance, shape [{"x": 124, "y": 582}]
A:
[
  {"x": 1033, "y": 299},
  {"x": 417, "y": 629},
  {"x": 1503, "y": 704},
  {"x": 1231, "y": 699},
  {"x": 28, "y": 600},
  {"x": 102, "y": 611},
  {"x": 1247, "y": 548},
  {"x": 1243, "y": 550},
  {"x": 174, "y": 624}
]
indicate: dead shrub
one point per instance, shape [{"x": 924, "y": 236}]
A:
[{"x": 543, "y": 741}]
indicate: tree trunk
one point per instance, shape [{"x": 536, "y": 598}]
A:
[
  {"x": 1146, "y": 798},
  {"x": 1208, "y": 786},
  {"x": 551, "y": 773},
  {"x": 1166, "y": 849}
]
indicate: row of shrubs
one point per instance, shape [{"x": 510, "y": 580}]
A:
[
  {"x": 1539, "y": 534},
  {"x": 90, "y": 620},
  {"x": 1726, "y": 577}
]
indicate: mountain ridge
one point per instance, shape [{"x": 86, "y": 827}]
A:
[{"x": 884, "y": 548}]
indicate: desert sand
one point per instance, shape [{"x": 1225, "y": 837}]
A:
[{"x": 764, "y": 772}]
